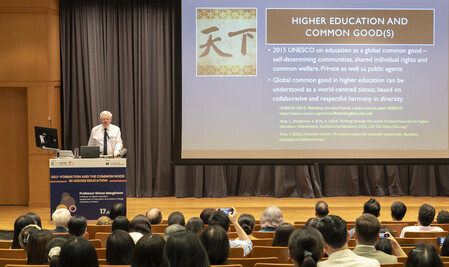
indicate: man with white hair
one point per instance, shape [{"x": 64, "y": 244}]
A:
[
  {"x": 61, "y": 218},
  {"x": 107, "y": 136}
]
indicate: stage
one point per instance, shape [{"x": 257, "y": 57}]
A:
[{"x": 294, "y": 209}]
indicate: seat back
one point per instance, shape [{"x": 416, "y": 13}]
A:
[
  {"x": 262, "y": 242},
  {"x": 4, "y": 262},
  {"x": 425, "y": 234},
  {"x": 7, "y": 253},
  {"x": 158, "y": 228},
  {"x": 265, "y": 264},
  {"x": 279, "y": 252},
  {"x": 96, "y": 243},
  {"x": 101, "y": 253},
  {"x": 396, "y": 264},
  {"x": 93, "y": 229},
  {"x": 250, "y": 262},
  {"x": 103, "y": 237},
  {"x": 263, "y": 234},
  {"x": 236, "y": 252},
  {"x": 5, "y": 243}
]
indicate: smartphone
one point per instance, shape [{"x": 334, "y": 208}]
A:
[
  {"x": 227, "y": 211},
  {"x": 440, "y": 240},
  {"x": 383, "y": 235}
]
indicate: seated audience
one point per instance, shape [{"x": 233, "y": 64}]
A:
[
  {"x": 77, "y": 252},
  {"x": 184, "y": 249},
  {"x": 398, "y": 210},
  {"x": 36, "y": 218},
  {"x": 443, "y": 216},
  {"x": 104, "y": 220},
  {"x": 312, "y": 222},
  {"x": 445, "y": 247},
  {"x": 19, "y": 224},
  {"x": 148, "y": 251},
  {"x": 139, "y": 226},
  {"x": 423, "y": 256},
  {"x": 321, "y": 209},
  {"x": 61, "y": 218},
  {"x": 24, "y": 236},
  {"x": 221, "y": 219},
  {"x": 195, "y": 225},
  {"x": 282, "y": 234},
  {"x": 247, "y": 222},
  {"x": 53, "y": 248},
  {"x": 155, "y": 216},
  {"x": 120, "y": 223},
  {"x": 270, "y": 219},
  {"x": 306, "y": 247},
  {"x": 384, "y": 245},
  {"x": 118, "y": 209},
  {"x": 176, "y": 218},
  {"x": 216, "y": 242},
  {"x": 36, "y": 252},
  {"x": 119, "y": 248},
  {"x": 335, "y": 235},
  {"x": 77, "y": 226},
  {"x": 206, "y": 213},
  {"x": 367, "y": 233},
  {"x": 426, "y": 214},
  {"x": 371, "y": 207},
  {"x": 173, "y": 229}
]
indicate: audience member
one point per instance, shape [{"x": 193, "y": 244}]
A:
[
  {"x": 195, "y": 225},
  {"x": 139, "y": 226},
  {"x": 77, "y": 226},
  {"x": 76, "y": 252},
  {"x": 155, "y": 216},
  {"x": 205, "y": 214},
  {"x": 61, "y": 206},
  {"x": 216, "y": 243},
  {"x": 120, "y": 223},
  {"x": 36, "y": 218},
  {"x": 25, "y": 234},
  {"x": 306, "y": 247},
  {"x": 53, "y": 248},
  {"x": 270, "y": 219},
  {"x": 367, "y": 233},
  {"x": 176, "y": 218},
  {"x": 118, "y": 209},
  {"x": 221, "y": 219},
  {"x": 312, "y": 222},
  {"x": 61, "y": 218},
  {"x": 445, "y": 247},
  {"x": 398, "y": 210},
  {"x": 104, "y": 220},
  {"x": 335, "y": 235},
  {"x": 443, "y": 216},
  {"x": 36, "y": 252},
  {"x": 148, "y": 251},
  {"x": 282, "y": 234},
  {"x": 426, "y": 214},
  {"x": 384, "y": 245},
  {"x": 173, "y": 229},
  {"x": 321, "y": 209},
  {"x": 372, "y": 207},
  {"x": 423, "y": 256},
  {"x": 119, "y": 248},
  {"x": 184, "y": 249},
  {"x": 247, "y": 222},
  {"x": 19, "y": 224}
]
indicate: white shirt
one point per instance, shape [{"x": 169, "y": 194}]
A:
[
  {"x": 420, "y": 229},
  {"x": 114, "y": 144},
  {"x": 247, "y": 245},
  {"x": 346, "y": 258}
]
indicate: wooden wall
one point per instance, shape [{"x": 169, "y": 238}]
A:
[{"x": 29, "y": 96}]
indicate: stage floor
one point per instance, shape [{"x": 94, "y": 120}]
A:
[{"x": 294, "y": 209}]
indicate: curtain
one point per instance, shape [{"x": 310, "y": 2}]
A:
[{"x": 118, "y": 55}]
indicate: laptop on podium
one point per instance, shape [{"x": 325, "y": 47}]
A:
[{"x": 89, "y": 152}]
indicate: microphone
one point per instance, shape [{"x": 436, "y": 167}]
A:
[{"x": 123, "y": 153}]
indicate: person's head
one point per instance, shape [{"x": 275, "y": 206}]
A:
[
  {"x": 184, "y": 249},
  {"x": 334, "y": 231},
  {"x": 445, "y": 247},
  {"x": 61, "y": 217},
  {"x": 384, "y": 245},
  {"x": 426, "y": 214},
  {"x": 312, "y": 222},
  {"x": 306, "y": 246},
  {"x": 61, "y": 206},
  {"x": 154, "y": 215},
  {"x": 321, "y": 209},
  {"x": 78, "y": 251},
  {"x": 195, "y": 225},
  {"x": 36, "y": 218},
  {"x": 173, "y": 229},
  {"x": 216, "y": 242},
  {"x": 53, "y": 248},
  {"x": 219, "y": 218},
  {"x": 119, "y": 248},
  {"x": 367, "y": 229},
  {"x": 118, "y": 209},
  {"x": 19, "y": 224},
  {"x": 104, "y": 220},
  {"x": 372, "y": 207},
  {"x": 140, "y": 224},
  {"x": 77, "y": 225},
  {"x": 36, "y": 252},
  {"x": 25, "y": 234},
  {"x": 105, "y": 118},
  {"x": 443, "y": 216},
  {"x": 423, "y": 256},
  {"x": 120, "y": 223},
  {"x": 385, "y": 229},
  {"x": 398, "y": 210},
  {"x": 247, "y": 222},
  {"x": 176, "y": 218},
  {"x": 148, "y": 251},
  {"x": 205, "y": 214},
  {"x": 282, "y": 234},
  {"x": 271, "y": 217}
]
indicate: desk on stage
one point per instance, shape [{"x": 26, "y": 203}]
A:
[{"x": 88, "y": 187}]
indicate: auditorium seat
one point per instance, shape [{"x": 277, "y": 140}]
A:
[
  {"x": 228, "y": 265},
  {"x": 395, "y": 227},
  {"x": 425, "y": 234},
  {"x": 93, "y": 229},
  {"x": 101, "y": 253},
  {"x": 103, "y": 237},
  {"x": 444, "y": 258},
  {"x": 4, "y": 262},
  {"x": 158, "y": 228},
  {"x": 262, "y": 242},
  {"x": 13, "y": 253},
  {"x": 5, "y": 243},
  {"x": 26, "y": 265},
  {"x": 409, "y": 241},
  {"x": 446, "y": 264},
  {"x": 263, "y": 234},
  {"x": 444, "y": 226},
  {"x": 279, "y": 252},
  {"x": 236, "y": 252},
  {"x": 96, "y": 243},
  {"x": 250, "y": 262},
  {"x": 274, "y": 265},
  {"x": 107, "y": 265},
  {"x": 402, "y": 259},
  {"x": 232, "y": 235}
]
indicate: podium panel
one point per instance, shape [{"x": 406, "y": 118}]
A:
[{"x": 88, "y": 187}]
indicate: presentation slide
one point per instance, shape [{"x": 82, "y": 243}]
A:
[{"x": 314, "y": 79}]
